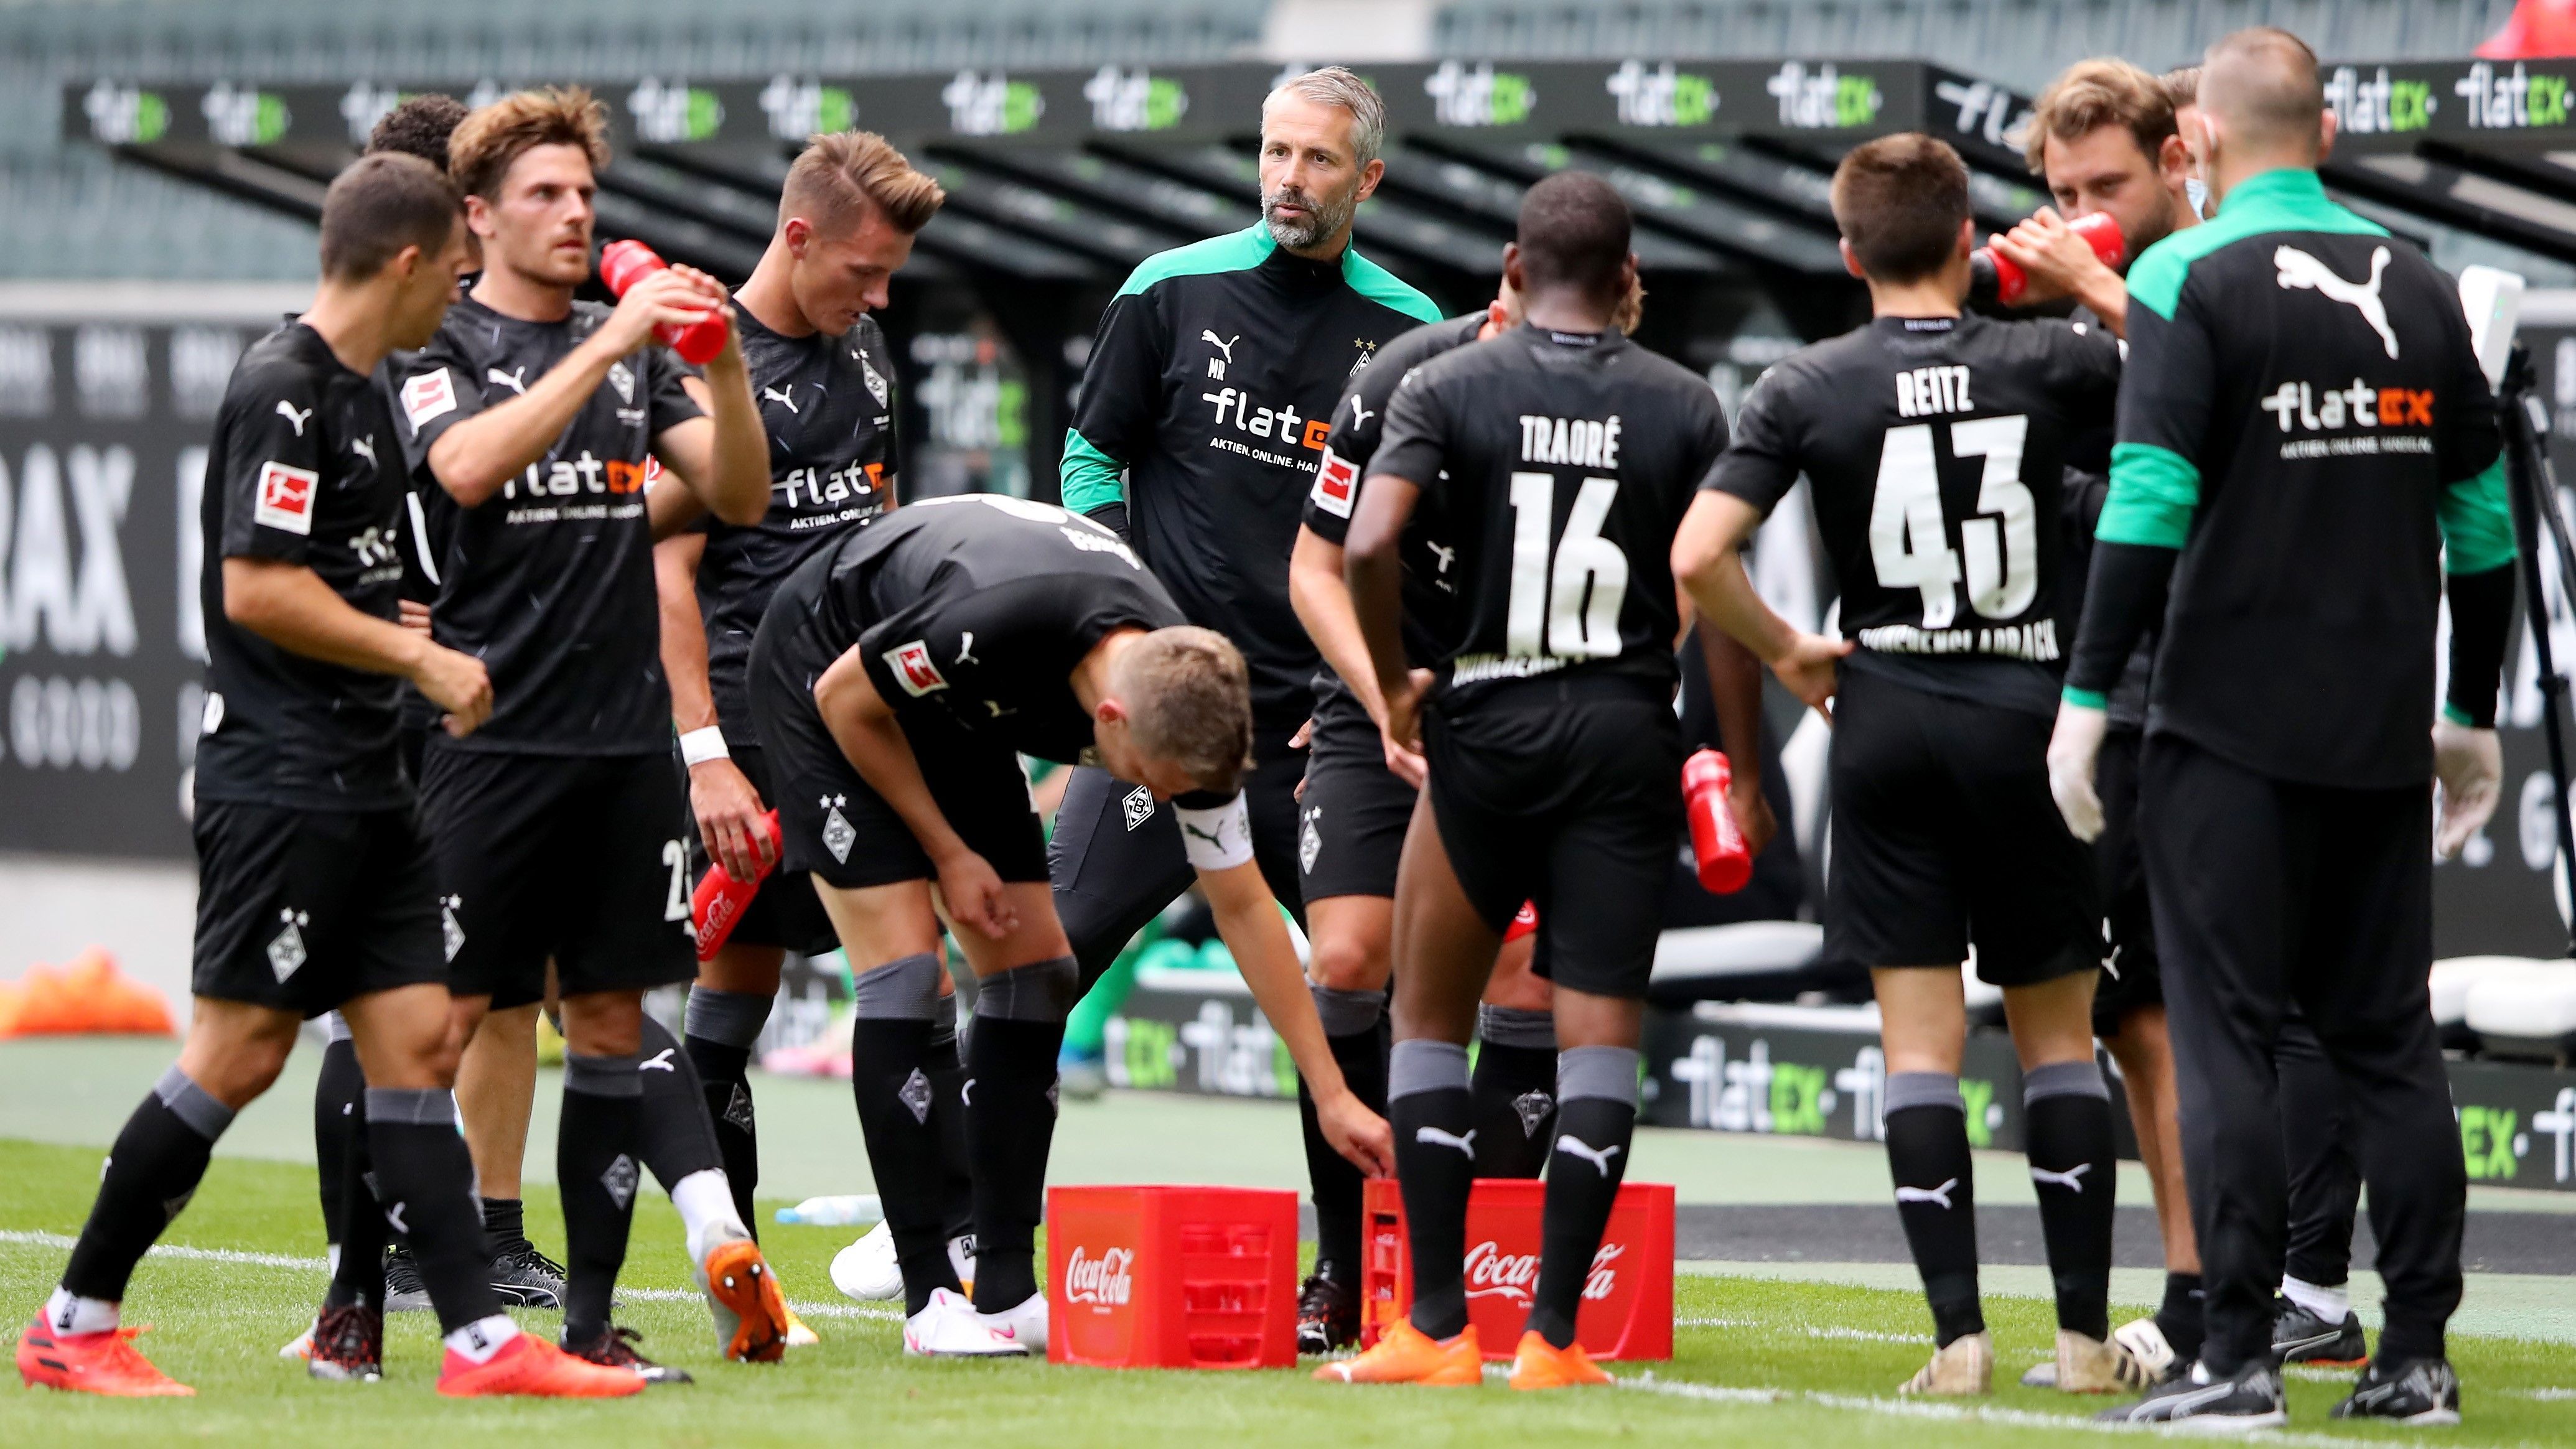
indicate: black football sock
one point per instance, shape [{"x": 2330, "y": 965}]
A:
[
  {"x": 1515, "y": 1090},
  {"x": 505, "y": 1224},
  {"x": 890, "y": 1080},
  {"x": 1352, "y": 1030},
  {"x": 1927, "y": 1154},
  {"x": 424, "y": 1178},
  {"x": 676, "y": 1139},
  {"x": 339, "y": 1091},
  {"x": 2180, "y": 1316},
  {"x": 723, "y": 1026},
  {"x": 948, "y": 1081},
  {"x": 2066, "y": 1120},
  {"x": 596, "y": 1170},
  {"x": 1596, "y": 1091},
  {"x": 1433, "y": 1114},
  {"x": 152, "y": 1171},
  {"x": 1010, "y": 1119},
  {"x": 359, "y": 1274}
]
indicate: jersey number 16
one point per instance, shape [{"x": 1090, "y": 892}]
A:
[
  {"x": 1909, "y": 541},
  {"x": 1553, "y": 596}
]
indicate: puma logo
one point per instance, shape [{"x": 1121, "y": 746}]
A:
[
  {"x": 294, "y": 419},
  {"x": 2302, "y": 271},
  {"x": 1434, "y": 1137},
  {"x": 1359, "y": 415},
  {"x": 785, "y": 399},
  {"x": 1598, "y": 1157},
  {"x": 364, "y": 448},
  {"x": 1938, "y": 1195},
  {"x": 516, "y": 379},
  {"x": 2072, "y": 1179},
  {"x": 658, "y": 1062},
  {"x": 966, "y": 649},
  {"x": 1226, "y": 346},
  {"x": 394, "y": 1219}
]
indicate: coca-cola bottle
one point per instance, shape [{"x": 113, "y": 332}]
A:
[
  {"x": 1992, "y": 274},
  {"x": 716, "y": 907},
  {"x": 624, "y": 263},
  {"x": 1725, "y": 864}
]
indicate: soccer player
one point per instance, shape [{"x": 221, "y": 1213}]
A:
[
  {"x": 823, "y": 374},
  {"x": 897, "y": 678},
  {"x": 1558, "y": 459},
  {"x": 315, "y": 889},
  {"x": 2104, "y": 137},
  {"x": 555, "y": 826},
  {"x": 1935, "y": 445},
  {"x": 1210, "y": 389},
  {"x": 2306, "y": 445}
]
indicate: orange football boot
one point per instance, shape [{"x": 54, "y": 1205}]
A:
[
  {"x": 528, "y": 1365},
  {"x": 1542, "y": 1365},
  {"x": 93, "y": 1363},
  {"x": 1406, "y": 1355},
  {"x": 739, "y": 1278}
]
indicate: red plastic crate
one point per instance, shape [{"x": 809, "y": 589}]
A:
[
  {"x": 1627, "y": 1310},
  {"x": 1172, "y": 1277}
]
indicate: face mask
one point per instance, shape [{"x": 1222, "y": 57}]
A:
[{"x": 2196, "y": 191}]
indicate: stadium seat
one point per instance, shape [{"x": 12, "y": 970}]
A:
[
  {"x": 2452, "y": 978},
  {"x": 2526, "y": 1009},
  {"x": 1747, "y": 960}
]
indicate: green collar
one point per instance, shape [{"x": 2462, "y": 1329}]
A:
[{"x": 2289, "y": 199}]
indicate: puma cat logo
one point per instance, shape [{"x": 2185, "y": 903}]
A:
[
  {"x": 2304, "y": 272},
  {"x": 294, "y": 418},
  {"x": 1939, "y": 1195},
  {"x": 1434, "y": 1137},
  {"x": 785, "y": 399},
  {"x": 1598, "y": 1157},
  {"x": 2072, "y": 1179}
]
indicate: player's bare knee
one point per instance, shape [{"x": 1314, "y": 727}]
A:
[
  {"x": 604, "y": 1024},
  {"x": 1347, "y": 961}
]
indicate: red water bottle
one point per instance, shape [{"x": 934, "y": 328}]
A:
[
  {"x": 717, "y": 906},
  {"x": 1724, "y": 862},
  {"x": 1992, "y": 269},
  {"x": 624, "y": 263}
]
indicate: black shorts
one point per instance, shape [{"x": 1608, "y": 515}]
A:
[
  {"x": 834, "y": 826},
  {"x": 303, "y": 910},
  {"x": 1944, "y": 833},
  {"x": 1351, "y": 820},
  {"x": 785, "y": 913},
  {"x": 582, "y": 859},
  {"x": 1567, "y": 793},
  {"x": 2131, "y": 978}
]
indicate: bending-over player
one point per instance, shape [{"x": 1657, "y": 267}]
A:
[
  {"x": 1560, "y": 458},
  {"x": 1935, "y": 445},
  {"x": 899, "y": 675},
  {"x": 315, "y": 889}
]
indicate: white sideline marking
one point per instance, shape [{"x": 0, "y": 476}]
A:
[
  {"x": 323, "y": 1265},
  {"x": 1865, "y": 1335},
  {"x": 1922, "y": 1409},
  {"x": 2546, "y": 1396}
]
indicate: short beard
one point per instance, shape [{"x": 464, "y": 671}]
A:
[{"x": 1324, "y": 219}]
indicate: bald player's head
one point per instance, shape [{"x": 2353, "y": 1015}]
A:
[{"x": 2261, "y": 94}]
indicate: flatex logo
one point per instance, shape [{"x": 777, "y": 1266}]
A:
[
  {"x": 1479, "y": 95},
  {"x": 2511, "y": 100},
  {"x": 2380, "y": 105},
  {"x": 1823, "y": 98},
  {"x": 1659, "y": 95},
  {"x": 991, "y": 105},
  {"x": 797, "y": 109},
  {"x": 1135, "y": 100},
  {"x": 674, "y": 111}
]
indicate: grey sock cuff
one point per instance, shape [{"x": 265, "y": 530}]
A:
[
  {"x": 1602, "y": 1073},
  {"x": 1041, "y": 991},
  {"x": 2064, "y": 1079},
  {"x": 727, "y": 1018},
  {"x": 1348, "y": 1013},
  {"x": 422, "y": 1106},
  {"x": 904, "y": 989},
  {"x": 1514, "y": 1026},
  {"x": 192, "y": 1104},
  {"x": 1422, "y": 1065},
  {"x": 335, "y": 1027},
  {"x": 1922, "y": 1089},
  {"x": 604, "y": 1076}
]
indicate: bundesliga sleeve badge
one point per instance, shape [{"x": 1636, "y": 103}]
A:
[
  {"x": 285, "y": 499},
  {"x": 426, "y": 396},
  {"x": 914, "y": 669},
  {"x": 1337, "y": 481}
]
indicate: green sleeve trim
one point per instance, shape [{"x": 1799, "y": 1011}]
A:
[
  {"x": 2286, "y": 200},
  {"x": 2477, "y": 523},
  {"x": 2087, "y": 698},
  {"x": 1235, "y": 251},
  {"x": 2457, "y": 716},
  {"x": 2153, "y": 493},
  {"x": 1385, "y": 288},
  {"x": 1088, "y": 477}
]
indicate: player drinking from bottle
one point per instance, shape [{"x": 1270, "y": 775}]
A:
[
  {"x": 1559, "y": 458},
  {"x": 554, "y": 826},
  {"x": 823, "y": 376},
  {"x": 898, "y": 677},
  {"x": 315, "y": 889},
  {"x": 1935, "y": 444}
]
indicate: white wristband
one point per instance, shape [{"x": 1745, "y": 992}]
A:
[
  {"x": 1218, "y": 838},
  {"x": 699, "y": 746}
]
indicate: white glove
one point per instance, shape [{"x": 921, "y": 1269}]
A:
[
  {"x": 2469, "y": 765},
  {"x": 2072, "y": 750}
]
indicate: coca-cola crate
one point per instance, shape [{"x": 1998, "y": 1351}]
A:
[
  {"x": 1627, "y": 1310},
  {"x": 1172, "y": 1277}
]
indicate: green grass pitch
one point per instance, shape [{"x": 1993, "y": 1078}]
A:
[{"x": 1756, "y": 1363}]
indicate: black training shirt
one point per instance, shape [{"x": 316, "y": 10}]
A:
[
  {"x": 1359, "y": 422},
  {"x": 1562, "y": 464},
  {"x": 1936, "y": 449},
  {"x": 827, "y": 404},
  {"x": 550, "y": 581},
  {"x": 974, "y": 610},
  {"x": 305, "y": 467}
]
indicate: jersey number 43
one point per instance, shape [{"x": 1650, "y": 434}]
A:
[
  {"x": 1909, "y": 540},
  {"x": 1567, "y": 606}
]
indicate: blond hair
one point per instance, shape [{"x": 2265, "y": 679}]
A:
[
  {"x": 839, "y": 177},
  {"x": 2092, "y": 94},
  {"x": 1189, "y": 700},
  {"x": 1342, "y": 88},
  {"x": 489, "y": 141}
]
